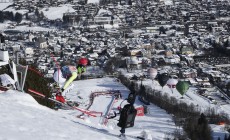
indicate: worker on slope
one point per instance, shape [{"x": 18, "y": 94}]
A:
[
  {"x": 127, "y": 114},
  {"x": 65, "y": 75}
]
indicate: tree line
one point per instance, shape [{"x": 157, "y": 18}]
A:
[
  {"x": 9, "y": 15},
  {"x": 33, "y": 81},
  {"x": 36, "y": 81}
]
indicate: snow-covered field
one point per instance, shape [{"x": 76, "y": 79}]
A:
[
  {"x": 53, "y": 13},
  {"x": 4, "y": 26}
]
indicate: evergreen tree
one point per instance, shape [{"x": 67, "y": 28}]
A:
[
  {"x": 2, "y": 38},
  {"x": 37, "y": 12},
  {"x": 42, "y": 16},
  {"x": 226, "y": 43},
  {"x": 142, "y": 91},
  {"x": 1, "y": 17},
  {"x": 202, "y": 119},
  {"x": 203, "y": 129},
  {"x": 36, "y": 81},
  {"x": 64, "y": 18},
  {"x": 162, "y": 30},
  {"x": 27, "y": 16},
  {"x": 18, "y": 17},
  {"x": 132, "y": 87},
  {"x": 11, "y": 16}
]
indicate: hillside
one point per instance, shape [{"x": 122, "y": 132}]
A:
[{"x": 23, "y": 118}]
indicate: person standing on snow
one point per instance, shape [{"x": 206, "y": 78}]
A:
[
  {"x": 127, "y": 114},
  {"x": 65, "y": 75}
]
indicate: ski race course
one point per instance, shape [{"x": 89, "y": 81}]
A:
[
  {"x": 23, "y": 118},
  {"x": 100, "y": 95},
  {"x": 98, "y": 99}
]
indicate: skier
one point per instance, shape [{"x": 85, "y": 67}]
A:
[{"x": 65, "y": 75}]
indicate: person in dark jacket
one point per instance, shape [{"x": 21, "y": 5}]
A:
[{"x": 127, "y": 114}]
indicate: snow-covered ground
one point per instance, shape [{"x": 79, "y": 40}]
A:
[
  {"x": 168, "y": 2},
  {"x": 22, "y": 118},
  {"x": 192, "y": 97},
  {"x": 157, "y": 124},
  {"x": 4, "y": 26},
  {"x": 53, "y": 13},
  {"x": 5, "y": 5}
]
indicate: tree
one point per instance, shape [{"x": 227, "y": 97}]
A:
[
  {"x": 9, "y": 15},
  {"x": 162, "y": 30},
  {"x": 42, "y": 15},
  {"x": 202, "y": 119},
  {"x": 37, "y": 12},
  {"x": 64, "y": 18},
  {"x": 36, "y": 81},
  {"x": 226, "y": 43},
  {"x": 142, "y": 91},
  {"x": 132, "y": 87},
  {"x": 203, "y": 129},
  {"x": 18, "y": 17},
  {"x": 1, "y": 17},
  {"x": 2, "y": 39},
  {"x": 109, "y": 67},
  {"x": 27, "y": 16}
]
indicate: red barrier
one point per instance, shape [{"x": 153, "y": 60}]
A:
[
  {"x": 3, "y": 88},
  {"x": 140, "y": 111}
]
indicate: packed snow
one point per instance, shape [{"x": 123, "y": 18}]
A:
[
  {"x": 23, "y": 118},
  {"x": 192, "y": 97}
]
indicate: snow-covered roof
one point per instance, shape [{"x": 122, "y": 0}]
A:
[
  {"x": 102, "y": 12},
  {"x": 4, "y": 5},
  {"x": 93, "y": 1}
]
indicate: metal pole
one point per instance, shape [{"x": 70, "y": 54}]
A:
[
  {"x": 17, "y": 59},
  {"x": 23, "y": 83}
]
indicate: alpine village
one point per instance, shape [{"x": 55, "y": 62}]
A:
[{"x": 170, "y": 54}]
